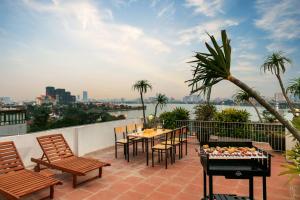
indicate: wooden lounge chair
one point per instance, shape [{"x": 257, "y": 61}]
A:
[
  {"x": 15, "y": 180},
  {"x": 58, "y": 155}
]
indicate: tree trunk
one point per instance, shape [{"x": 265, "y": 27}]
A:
[
  {"x": 144, "y": 115},
  {"x": 265, "y": 104},
  {"x": 256, "y": 111},
  {"x": 285, "y": 96},
  {"x": 208, "y": 95},
  {"x": 155, "y": 111}
]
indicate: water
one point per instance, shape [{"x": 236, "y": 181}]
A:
[{"x": 190, "y": 107}]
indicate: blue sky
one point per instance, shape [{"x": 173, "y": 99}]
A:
[{"x": 105, "y": 46}]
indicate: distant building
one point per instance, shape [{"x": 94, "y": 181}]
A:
[
  {"x": 84, "y": 96},
  {"x": 12, "y": 121},
  {"x": 56, "y": 96},
  {"x": 279, "y": 97},
  {"x": 50, "y": 91},
  {"x": 192, "y": 99},
  {"x": 6, "y": 100}
]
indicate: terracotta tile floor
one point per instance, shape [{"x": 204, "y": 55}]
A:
[{"x": 181, "y": 181}]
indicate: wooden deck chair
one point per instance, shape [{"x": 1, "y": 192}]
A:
[
  {"x": 58, "y": 155},
  {"x": 16, "y": 181}
]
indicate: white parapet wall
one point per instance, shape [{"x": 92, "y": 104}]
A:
[
  {"x": 13, "y": 129},
  {"x": 82, "y": 139}
]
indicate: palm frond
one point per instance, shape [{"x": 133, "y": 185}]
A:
[{"x": 212, "y": 66}]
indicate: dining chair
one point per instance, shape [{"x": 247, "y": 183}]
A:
[
  {"x": 131, "y": 128},
  {"x": 176, "y": 143},
  {"x": 121, "y": 139},
  {"x": 184, "y": 139},
  {"x": 165, "y": 148}
]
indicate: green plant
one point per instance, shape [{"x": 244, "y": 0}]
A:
[
  {"x": 293, "y": 169},
  {"x": 160, "y": 100},
  {"x": 232, "y": 115},
  {"x": 205, "y": 112},
  {"x": 268, "y": 117},
  {"x": 214, "y": 66},
  {"x": 242, "y": 96},
  {"x": 294, "y": 87},
  {"x": 275, "y": 63},
  {"x": 296, "y": 122},
  {"x": 169, "y": 118},
  {"x": 142, "y": 87}
]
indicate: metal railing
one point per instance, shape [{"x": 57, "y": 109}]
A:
[{"x": 271, "y": 133}]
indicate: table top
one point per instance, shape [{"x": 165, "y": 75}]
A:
[{"x": 149, "y": 133}]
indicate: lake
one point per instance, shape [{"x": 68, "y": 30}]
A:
[{"x": 190, "y": 107}]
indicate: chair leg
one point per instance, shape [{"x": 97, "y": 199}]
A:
[
  {"x": 186, "y": 149},
  {"x": 116, "y": 151},
  {"x": 74, "y": 181},
  {"x": 166, "y": 159},
  {"x": 159, "y": 156},
  {"x": 179, "y": 151},
  {"x": 143, "y": 145},
  {"x": 152, "y": 158},
  {"x": 51, "y": 192},
  {"x": 100, "y": 172}
]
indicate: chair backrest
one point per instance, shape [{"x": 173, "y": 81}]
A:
[
  {"x": 184, "y": 131},
  {"x": 178, "y": 134},
  {"x": 169, "y": 138},
  {"x": 10, "y": 159},
  {"x": 55, "y": 147},
  {"x": 130, "y": 128},
  {"x": 121, "y": 130}
]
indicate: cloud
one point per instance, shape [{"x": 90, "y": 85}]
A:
[
  {"x": 206, "y": 7},
  {"x": 281, "y": 19},
  {"x": 91, "y": 25},
  {"x": 277, "y": 46},
  {"x": 167, "y": 10},
  {"x": 199, "y": 33}
]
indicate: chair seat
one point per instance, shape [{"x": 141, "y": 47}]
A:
[
  {"x": 178, "y": 139},
  {"x": 161, "y": 146},
  {"x": 123, "y": 141},
  {"x": 169, "y": 142}
]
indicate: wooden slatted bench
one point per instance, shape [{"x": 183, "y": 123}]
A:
[
  {"x": 15, "y": 180},
  {"x": 58, "y": 155}
]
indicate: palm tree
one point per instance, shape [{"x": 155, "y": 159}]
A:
[
  {"x": 160, "y": 100},
  {"x": 214, "y": 66},
  {"x": 294, "y": 87},
  {"x": 242, "y": 96},
  {"x": 142, "y": 86},
  {"x": 275, "y": 63}
]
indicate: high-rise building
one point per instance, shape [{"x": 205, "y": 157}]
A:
[
  {"x": 60, "y": 95},
  {"x": 50, "y": 91},
  {"x": 84, "y": 96}
]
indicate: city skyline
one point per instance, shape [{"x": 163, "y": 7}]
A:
[{"x": 103, "y": 47}]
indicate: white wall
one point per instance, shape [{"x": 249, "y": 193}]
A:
[
  {"x": 13, "y": 129},
  {"x": 81, "y": 139}
]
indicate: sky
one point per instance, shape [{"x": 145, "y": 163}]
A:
[{"x": 104, "y": 46}]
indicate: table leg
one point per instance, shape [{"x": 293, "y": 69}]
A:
[
  {"x": 211, "y": 188},
  {"x": 204, "y": 185},
  {"x": 264, "y": 188},
  {"x": 147, "y": 151},
  {"x": 251, "y": 188}
]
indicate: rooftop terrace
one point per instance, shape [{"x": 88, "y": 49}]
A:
[{"x": 181, "y": 181}]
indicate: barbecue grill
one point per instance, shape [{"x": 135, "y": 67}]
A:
[{"x": 233, "y": 165}]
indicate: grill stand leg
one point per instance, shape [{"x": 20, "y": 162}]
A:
[
  {"x": 264, "y": 188},
  {"x": 211, "y": 188},
  {"x": 251, "y": 188}
]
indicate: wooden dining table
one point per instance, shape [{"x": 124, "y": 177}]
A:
[{"x": 147, "y": 134}]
